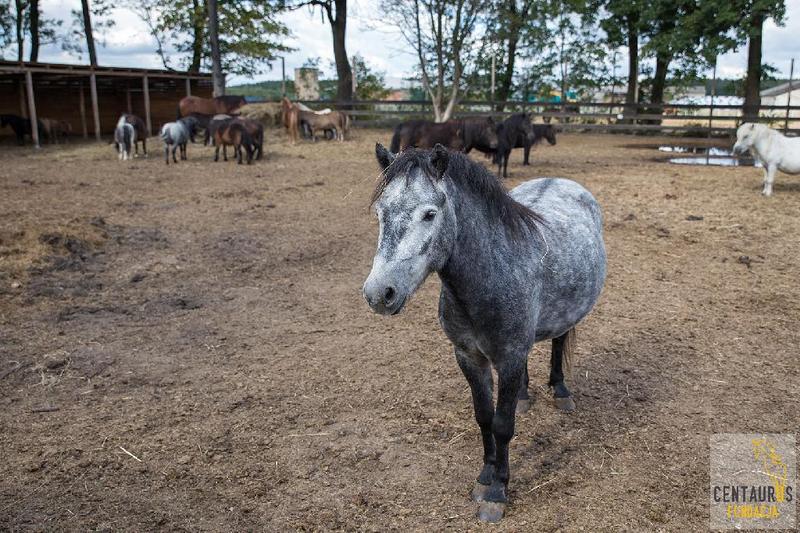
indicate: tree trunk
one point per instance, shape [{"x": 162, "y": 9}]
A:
[
  {"x": 34, "y": 6},
  {"x": 199, "y": 13},
  {"x": 87, "y": 27},
  {"x": 20, "y": 27},
  {"x": 632, "y": 94},
  {"x": 660, "y": 77},
  {"x": 216, "y": 59},
  {"x": 504, "y": 89},
  {"x": 752, "y": 86},
  {"x": 344, "y": 88}
]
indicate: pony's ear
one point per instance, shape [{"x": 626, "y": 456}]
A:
[
  {"x": 439, "y": 159},
  {"x": 385, "y": 157}
]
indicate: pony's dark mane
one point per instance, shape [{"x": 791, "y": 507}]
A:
[{"x": 470, "y": 177}]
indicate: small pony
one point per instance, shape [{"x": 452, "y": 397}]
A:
[
  {"x": 230, "y": 132},
  {"x": 124, "y": 138},
  {"x": 20, "y": 125},
  {"x": 771, "y": 148},
  {"x": 178, "y": 134}
]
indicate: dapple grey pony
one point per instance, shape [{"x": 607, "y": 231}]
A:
[
  {"x": 515, "y": 268},
  {"x": 178, "y": 134}
]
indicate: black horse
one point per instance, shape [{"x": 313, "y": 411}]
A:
[
  {"x": 515, "y": 131},
  {"x": 20, "y": 125}
]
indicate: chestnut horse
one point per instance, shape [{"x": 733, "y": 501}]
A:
[{"x": 220, "y": 105}]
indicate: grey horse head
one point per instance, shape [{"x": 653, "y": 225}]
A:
[
  {"x": 746, "y": 136},
  {"x": 417, "y": 226}
]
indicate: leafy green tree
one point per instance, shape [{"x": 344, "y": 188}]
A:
[
  {"x": 250, "y": 33},
  {"x": 370, "y": 83}
]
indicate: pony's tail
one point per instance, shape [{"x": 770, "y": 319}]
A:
[
  {"x": 121, "y": 121},
  {"x": 395, "y": 146},
  {"x": 570, "y": 340}
]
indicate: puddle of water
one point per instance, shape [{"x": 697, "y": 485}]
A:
[
  {"x": 705, "y": 155},
  {"x": 715, "y": 161},
  {"x": 705, "y": 150}
]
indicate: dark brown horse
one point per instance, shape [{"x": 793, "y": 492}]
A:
[
  {"x": 220, "y": 105},
  {"x": 461, "y": 135},
  {"x": 256, "y": 131}
]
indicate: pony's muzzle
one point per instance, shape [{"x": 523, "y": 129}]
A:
[{"x": 382, "y": 298}]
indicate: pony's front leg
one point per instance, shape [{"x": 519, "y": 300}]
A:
[
  {"x": 769, "y": 178},
  {"x": 509, "y": 379},
  {"x": 479, "y": 376}
]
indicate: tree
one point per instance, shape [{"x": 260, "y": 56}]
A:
[
  {"x": 216, "y": 59},
  {"x": 370, "y": 84},
  {"x": 88, "y": 24},
  {"x": 249, "y": 33},
  {"x": 623, "y": 25},
  {"x": 441, "y": 34},
  {"x": 20, "y": 25},
  {"x": 336, "y": 13},
  {"x": 755, "y": 13},
  {"x": 34, "y": 29}
]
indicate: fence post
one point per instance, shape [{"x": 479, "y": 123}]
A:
[
  {"x": 789, "y": 98},
  {"x": 713, "y": 94},
  {"x": 146, "y": 90},
  {"x": 32, "y": 109},
  {"x": 95, "y": 108}
]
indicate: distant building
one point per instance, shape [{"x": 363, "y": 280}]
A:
[
  {"x": 779, "y": 95},
  {"x": 306, "y": 83}
]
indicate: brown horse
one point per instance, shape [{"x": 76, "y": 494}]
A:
[
  {"x": 232, "y": 133},
  {"x": 55, "y": 130},
  {"x": 256, "y": 131},
  {"x": 220, "y": 105},
  {"x": 460, "y": 135}
]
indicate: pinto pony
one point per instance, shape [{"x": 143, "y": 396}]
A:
[
  {"x": 774, "y": 150},
  {"x": 219, "y": 105},
  {"x": 141, "y": 132},
  {"x": 335, "y": 120},
  {"x": 124, "y": 138}
]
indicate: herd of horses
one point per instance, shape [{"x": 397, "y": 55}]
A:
[
  {"x": 223, "y": 126},
  {"x": 496, "y": 140}
]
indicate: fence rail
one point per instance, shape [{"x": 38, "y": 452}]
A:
[{"x": 694, "y": 119}]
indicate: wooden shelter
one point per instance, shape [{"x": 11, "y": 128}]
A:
[{"x": 92, "y": 99}]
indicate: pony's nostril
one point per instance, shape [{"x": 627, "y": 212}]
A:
[{"x": 388, "y": 295}]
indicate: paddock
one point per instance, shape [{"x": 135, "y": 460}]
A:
[{"x": 187, "y": 348}]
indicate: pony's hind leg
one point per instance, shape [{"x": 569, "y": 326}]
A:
[
  {"x": 524, "y": 397},
  {"x": 560, "y": 356},
  {"x": 769, "y": 178},
  {"x": 166, "y": 153},
  {"x": 479, "y": 376}
]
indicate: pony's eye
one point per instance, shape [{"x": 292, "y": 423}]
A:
[{"x": 429, "y": 215}]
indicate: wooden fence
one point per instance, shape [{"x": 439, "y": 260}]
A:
[{"x": 689, "y": 119}]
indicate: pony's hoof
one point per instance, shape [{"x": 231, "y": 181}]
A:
[
  {"x": 491, "y": 512},
  {"x": 566, "y": 404},
  {"x": 523, "y": 406},
  {"x": 479, "y": 492}
]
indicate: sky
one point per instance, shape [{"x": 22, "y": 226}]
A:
[{"x": 130, "y": 45}]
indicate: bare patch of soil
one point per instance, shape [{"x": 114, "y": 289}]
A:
[{"x": 186, "y": 347}]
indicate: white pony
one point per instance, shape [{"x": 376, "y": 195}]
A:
[
  {"x": 124, "y": 138},
  {"x": 771, "y": 148}
]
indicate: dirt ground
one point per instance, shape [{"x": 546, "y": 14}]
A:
[{"x": 186, "y": 347}]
